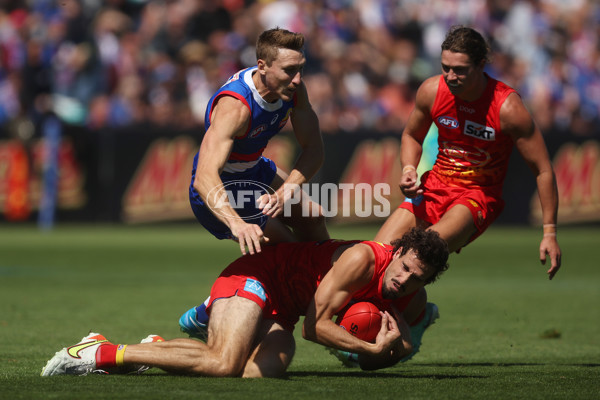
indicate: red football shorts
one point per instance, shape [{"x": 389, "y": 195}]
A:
[
  {"x": 251, "y": 278},
  {"x": 438, "y": 197}
]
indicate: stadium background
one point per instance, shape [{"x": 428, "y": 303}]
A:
[{"x": 102, "y": 102}]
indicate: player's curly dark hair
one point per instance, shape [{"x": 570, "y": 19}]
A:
[
  {"x": 431, "y": 249},
  {"x": 462, "y": 39}
]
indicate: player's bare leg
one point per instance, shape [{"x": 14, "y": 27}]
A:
[
  {"x": 233, "y": 327},
  {"x": 307, "y": 228},
  {"x": 306, "y": 220},
  {"x": 274, "y": 352},
  {"x": 397, "y": 225},
  {"x": 456, "y": 227},
  {"x": 278, "y": 232}
]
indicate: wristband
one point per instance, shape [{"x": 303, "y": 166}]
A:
[
  {"x": 409, "y": 168},
  {"x": 549, "y": 229}
]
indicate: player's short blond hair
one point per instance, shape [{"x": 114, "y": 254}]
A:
[{"x": 270, "y": 41}]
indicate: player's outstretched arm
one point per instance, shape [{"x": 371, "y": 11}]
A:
[
  {"x": 413, "y": 136},
  {"x": 308, "y": 134},
  {"x": 230, "y": 118},
  {"x": 517, "y": 122}
]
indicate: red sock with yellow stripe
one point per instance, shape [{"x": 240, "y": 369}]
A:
[{"x": 110, "y": 355}]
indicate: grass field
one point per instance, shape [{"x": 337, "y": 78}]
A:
[{"x": 505, "y": 332}]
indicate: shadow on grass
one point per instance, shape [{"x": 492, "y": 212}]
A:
[
  {"x": 451, "y": 365},
  {"x": 330, "y": 374},
  {"x": 377, "y": 375},
  {"x": 409, "y": 374}
]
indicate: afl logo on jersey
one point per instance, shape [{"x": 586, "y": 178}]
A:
[
  {"x": 257, "y": 131},
  {"x": 448, "y": 122}
]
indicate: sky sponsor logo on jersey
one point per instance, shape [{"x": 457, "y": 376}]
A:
[
  {"x": 479, "y": 131},
  {"x": 448, "y": 122}
]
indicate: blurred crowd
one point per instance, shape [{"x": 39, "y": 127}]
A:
[{"x": 114, "y": 63}]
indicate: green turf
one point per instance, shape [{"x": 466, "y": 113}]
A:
[{"x": 505, "y": 330}]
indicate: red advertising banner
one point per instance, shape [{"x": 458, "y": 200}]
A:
[
  {"x": 20, "y": 178},
  {"x": 577, "y": 169},
  {"x": 141, "y": 175}
]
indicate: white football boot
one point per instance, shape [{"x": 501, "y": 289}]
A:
[{"x": 79, "y": 359}]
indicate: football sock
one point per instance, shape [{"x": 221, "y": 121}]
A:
[
  {"x": 120, "y": 354},
  {"x": 109, "y": 355},
  {"x": 201, "y": 315}
]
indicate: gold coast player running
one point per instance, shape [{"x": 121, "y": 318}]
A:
[{"x": 479, "y": 119}]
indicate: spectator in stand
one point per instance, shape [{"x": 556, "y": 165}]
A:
[{"x": 371, "y": 56}]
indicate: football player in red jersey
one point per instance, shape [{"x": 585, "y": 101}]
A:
[
  {"x": 257, "y": 300},
  {"x": 479, "y": 119}
]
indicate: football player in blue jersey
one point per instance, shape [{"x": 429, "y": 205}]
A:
[{"x": 235, "y": 192}]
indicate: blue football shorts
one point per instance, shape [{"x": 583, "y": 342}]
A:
[{"x": 242, "y": 189}]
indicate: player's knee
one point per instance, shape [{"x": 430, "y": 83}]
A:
[
  {"x": 273, "y": 369},
  {"x": 226, "y": 368},
  {"x": 217, "y": 362},
  {"x": 273, "y": 356}
]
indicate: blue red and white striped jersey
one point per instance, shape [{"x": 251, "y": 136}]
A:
[{"x": 267, "y": 119}]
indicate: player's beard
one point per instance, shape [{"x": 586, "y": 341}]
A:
[{"x": 389, "y": 294}]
